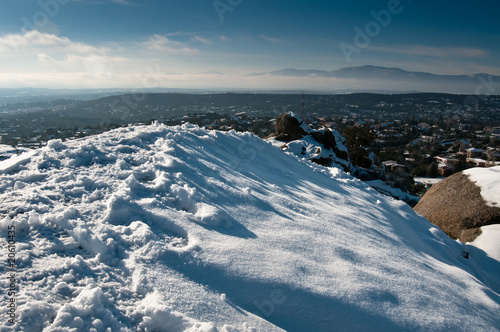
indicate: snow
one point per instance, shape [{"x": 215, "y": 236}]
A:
[
  {"x": 15, "y": 161},
  {"x": 7, "y": 149},
  {"x": 310, "y": 149},
  {"x": 489, "y": 242},
  {"x": 485, "y": 250},
  {"x": 427, "y": 181},
  {"x": 385, "y": 189},
  {"x": 487, "y": 246},
  {"x": 488, "y": 179},
  {"x": 156, "y": 228}
]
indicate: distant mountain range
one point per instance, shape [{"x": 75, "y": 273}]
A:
[
  {"x": 368, "y": 78},
  {"x": 398, "y": 79}
]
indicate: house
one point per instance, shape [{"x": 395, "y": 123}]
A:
[
  {"x": 493, "y": 154},
  {"x": 478, "y": 162},
  {"x": 443, "y": 169},
  {"x": 447, "y": 143},
  {"x": 446, "y": 163},
  {"x": 446, "y": 159},
  {"x": 495, "y": 132},
  {"x": 461, "y": 144},
  {"x": 423, "y": 126},
  {"x": 393, "y": 165},
  {"x": 427, "y": 139},
  {"x": 416, "y": 141},
  {"x": 474, "y": 153}
]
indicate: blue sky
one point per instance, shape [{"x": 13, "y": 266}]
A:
[{"x": 216, "y": 44}]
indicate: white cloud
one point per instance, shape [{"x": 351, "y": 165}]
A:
[
  {"x": 271, "y": 39},
  {"x": 44, "y": 60},
  {"x": 201, "y": 40},
  {"x": 35, "y": 42},
  {"x": 102, "y": 2},
  {"x": 124, "y": 2},
  {"x": 88, "y": 63},
  {"x": 166, "y": 45},
  {"x": 30, "y": 38},
  {"x": 41, "y": 53}
]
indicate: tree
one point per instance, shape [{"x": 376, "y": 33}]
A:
[
  {"x": 358, "y": 140},
  {"x": 420, "y": 170},
  {"x": 433, "y": 171},
  {"x": 461, "y": 164}
]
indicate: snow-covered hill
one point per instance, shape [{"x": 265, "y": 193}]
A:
[{"x": 159, "y": 228}]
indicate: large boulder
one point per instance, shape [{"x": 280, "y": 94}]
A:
[
  {"x": 290, "y": 127},
  {"x": 458, "y": 208}
]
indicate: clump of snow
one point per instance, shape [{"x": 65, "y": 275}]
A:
[
  {"x": 155, "y": 315},
  {"x": 488, "y": 179},
  {"x": 158, "y": 228},
  {"x": 15, "y": 161},
  {"x": 427, "y": 181},
  {"x": 88, "y": 311},
  {"x": 55, "y": 144},
  {"x": 211, "y": 216},
  {"x": 485, "y": 250}
]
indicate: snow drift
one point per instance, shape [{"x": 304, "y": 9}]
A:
[{"x": 157, "y": 228}]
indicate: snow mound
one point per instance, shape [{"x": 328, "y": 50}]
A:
[
  {"x": 156, "y": 228},
  {"x": 488, "y": 179},
  {"x": 488, "y": 241},
  {"x": 486, "y": 253}
]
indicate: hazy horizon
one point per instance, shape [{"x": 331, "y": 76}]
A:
[{"x": 218, "y": 44}]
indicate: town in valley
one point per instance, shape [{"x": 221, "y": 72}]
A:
[{"x": 415, "y": 135}]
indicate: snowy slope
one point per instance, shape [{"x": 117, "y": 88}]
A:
[{"x": 159, "y": 228}]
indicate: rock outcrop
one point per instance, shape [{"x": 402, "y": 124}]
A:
[
  {"x": 327, "y": 147},
  {"x": 289, "y": 127},
  {"x": 457, "y": 207},
  {"x": 323, "y": 146}
]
